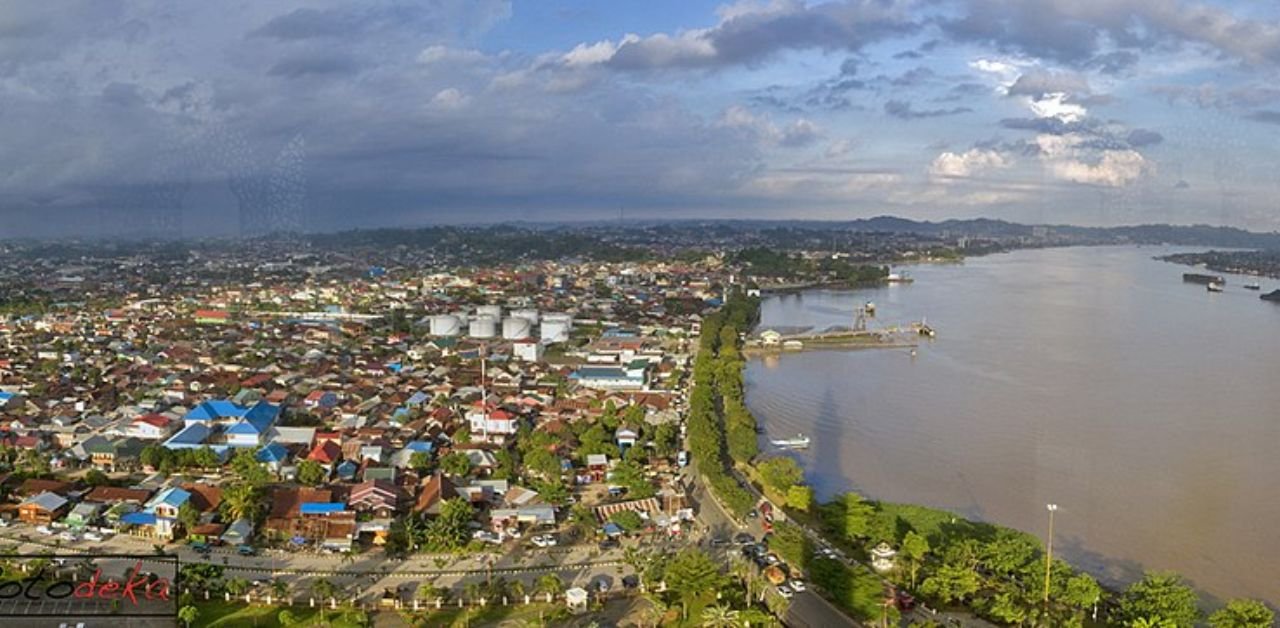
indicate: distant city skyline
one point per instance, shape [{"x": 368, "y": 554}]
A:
[{"x": 223, "y": 118}]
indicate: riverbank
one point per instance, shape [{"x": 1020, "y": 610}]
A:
[
  {"x": 1014, "y": 408},
  {"x": 828, "y": 344}
]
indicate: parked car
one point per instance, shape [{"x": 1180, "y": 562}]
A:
[
  {"x": 796, "y": 585},
  {"x": 46, "y": 530},
  {"x": 785, "y": 591},
  {"x": 608, "y": 544},
  {"x": 744, "y": 538},
  {"x": 70, "y": 537},
  {"x": 246, "y": 550},
  {"x": 544, "y": 540},
  {"x": 630, "y": 581}
]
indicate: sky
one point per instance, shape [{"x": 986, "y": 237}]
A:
[{"x": 218, "y": 118}]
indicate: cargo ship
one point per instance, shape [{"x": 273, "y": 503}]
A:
[
  {"x": 1273, "y": 296},
  {"x": 1202, "y": 279}
]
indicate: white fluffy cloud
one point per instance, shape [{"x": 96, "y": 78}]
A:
[
  {"x": 799, "y": 132},
  {"x": 966, "y": 164},
  {"x": 1065, "y": 158}
]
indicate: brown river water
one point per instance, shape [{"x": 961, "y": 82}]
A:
[{"x": 1148, "y": 409}]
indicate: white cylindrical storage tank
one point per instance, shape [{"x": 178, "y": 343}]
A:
[
  {"x": 555, "y": 327},
  {"x": 483, "y": 327},
  {"x": 492, "y": 311},
  {"x": 445, "y": 325},
  {"x": 527, "y": 314},
  {"x": 516, "y": 328}
]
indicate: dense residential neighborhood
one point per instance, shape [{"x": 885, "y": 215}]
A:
[{"x": 308, "y": 410}]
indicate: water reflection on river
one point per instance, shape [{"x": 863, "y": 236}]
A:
[{"x": 1148, "y": 409}]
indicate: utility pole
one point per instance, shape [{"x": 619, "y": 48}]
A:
[
  {"x": 484, "y": 391},
  {"x": 1048, "y": 557}
]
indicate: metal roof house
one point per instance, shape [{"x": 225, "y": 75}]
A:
[{"x": 633, "y": 376}]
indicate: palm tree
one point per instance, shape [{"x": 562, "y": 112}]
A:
[
  {"x": 719, "y": 616},
  {"x": 242, "y": 501},
  {"x": 515, "y": 589},
  {"x": 280, "y": 588},
  {"x": 324, "y": 589},
  {"x": 429, "y": 593},
  {"x": 188, "y": 614},
  {"x": 550, "y": 583},
  {"x": 1152, "y": 622},
  {"x": 237, "y": 586},
  {"x": 472, "y": 591},
  {"x": 756, "y": 617}
]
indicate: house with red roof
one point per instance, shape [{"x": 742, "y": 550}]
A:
[
  {"x": 326, "y": 453},
  {"x": 151, "y": 427}
]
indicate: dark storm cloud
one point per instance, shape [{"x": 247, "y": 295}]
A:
[
  {"x": 1050, "y": 126},
  {"x": 1267, "y": 116},
  {"x": 322, "y": 63},
  {"x": 308, "y": 23},
  {"x": 903, "y": 110},
  {"x": 1139, "y": 138},
  {"x": 408, "y": 139},
  {"x": 1078, "y": 33},
  {"x": 749, "y": 37},
  {"x": 1037, "y": 83}
]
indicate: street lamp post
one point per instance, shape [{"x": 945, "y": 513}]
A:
[{"x": 1048, "y": 557}]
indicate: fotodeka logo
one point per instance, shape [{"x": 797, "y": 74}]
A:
[{"x": 90, "y": 585}]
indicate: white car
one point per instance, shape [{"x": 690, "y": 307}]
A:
[
  {"x": 785, "y": 591},
  {"x": 70, "y": 537},
  {"x": 44, "y": 530},
  {"x": 797, "y": 586},
  {"x": 92, "y": 536},
  {"x": 544, "y": 540}
]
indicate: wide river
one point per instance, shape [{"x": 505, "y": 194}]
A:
[{"x": 1148, "y": 409}]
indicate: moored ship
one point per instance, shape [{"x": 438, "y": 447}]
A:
[
  {"x": 1202, "y": 279},
  {"x": 1274, "y": 296}
]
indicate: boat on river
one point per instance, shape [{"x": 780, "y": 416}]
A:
[
  {"x": 1253, "y": 286},
  {"x": 799, "y": 442},
  {"x": 1214, "y": 287}
]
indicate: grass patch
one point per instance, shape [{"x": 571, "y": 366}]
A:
[
  {"x": 219, "y": 614},
  {"x": 532, "y": 614}
]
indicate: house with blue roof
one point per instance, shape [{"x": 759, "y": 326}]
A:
[
  {"x": 403, "y": 458},
  {"x": 9, "y": 401},
  {"x": 274, "y": 456},
  {"x": 159, "y": 517},
  {"x": 228, "y": 412},
  {"x": 221, "y": 424},
  {"x": 193, "y": 436}
]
